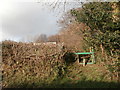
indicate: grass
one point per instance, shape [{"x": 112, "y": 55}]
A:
[
  {"x": 68, "y": 83},
  {"x": 83, "y": 77}
]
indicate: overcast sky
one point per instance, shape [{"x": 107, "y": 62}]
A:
[{"x": 26, "y": 18}]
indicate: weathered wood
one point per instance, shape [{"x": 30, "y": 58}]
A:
[
  {"x": 84, "y": 62},
  {"x": 85, "y": 57}
]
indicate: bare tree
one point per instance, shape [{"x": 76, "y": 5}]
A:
[
  {"x": 54, "y": 38},
  {"x": 57, "y": 4},
  {"x": 41, "y": 38}
]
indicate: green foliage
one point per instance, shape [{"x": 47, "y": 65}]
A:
[
  {"x": 103, "y": 29},
  {"x": 98, "y": 16}
]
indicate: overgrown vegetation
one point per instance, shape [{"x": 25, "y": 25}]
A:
[
  {"x": 26, "y": 63},
  {"x": 29, "y": 66},
  {"x": 95, "y": 25},
  {"x": 103, "y": 33}
]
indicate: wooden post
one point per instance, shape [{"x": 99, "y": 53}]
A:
[
  {"x": 90, "y": 49},
  {"x": 83, "y": 61},
  {"x": 102, "y": 49},
  {"x": 77, "y": 59},
  {"x": 93, "y": 57}
]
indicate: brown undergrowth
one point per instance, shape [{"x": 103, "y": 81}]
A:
[{"x": 30, "y": 63}]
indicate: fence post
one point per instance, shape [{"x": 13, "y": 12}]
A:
[
  {"x": 93, "y": 57},
  {"x": 83, "y": 61}
]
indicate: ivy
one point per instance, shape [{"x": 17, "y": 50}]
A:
[{"x": 104, "y": 28}]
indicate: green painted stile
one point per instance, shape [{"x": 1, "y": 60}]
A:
[
  {"x": 82, "y": 53},
  {"x": 92, "y": 56}
]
